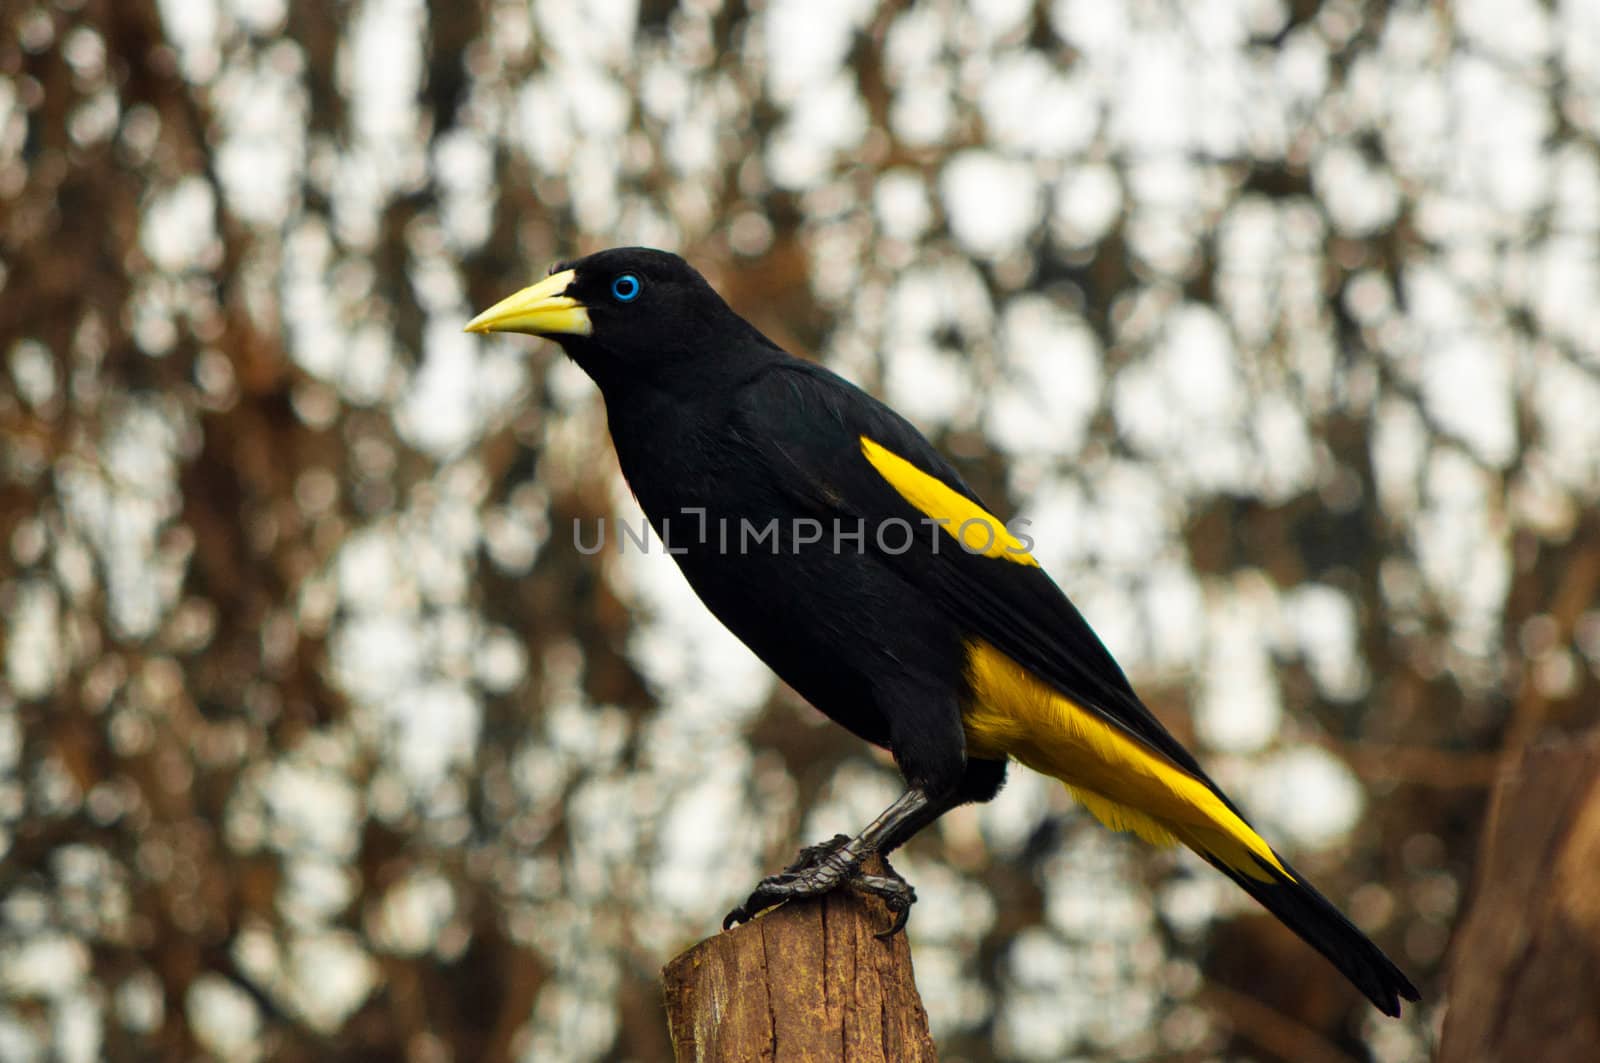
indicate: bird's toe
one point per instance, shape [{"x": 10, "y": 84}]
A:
[
  {"x": 895, "y": 892},
  {"x": 813, "y": 855}
]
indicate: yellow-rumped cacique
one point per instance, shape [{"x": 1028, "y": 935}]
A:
[{"x": 832, "y": 538}]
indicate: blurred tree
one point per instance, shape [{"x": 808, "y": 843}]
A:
[{"x": 320, "y": 737}]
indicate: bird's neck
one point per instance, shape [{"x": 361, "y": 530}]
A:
[{"x": 649, "y": 425}]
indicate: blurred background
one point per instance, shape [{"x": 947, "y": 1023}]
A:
[{"x": 321, "y": 739}]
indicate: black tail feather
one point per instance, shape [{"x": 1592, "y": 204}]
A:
[{"x": 1322, "y": 926}]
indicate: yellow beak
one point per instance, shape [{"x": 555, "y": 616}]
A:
[{"x": 541, "y": 310}]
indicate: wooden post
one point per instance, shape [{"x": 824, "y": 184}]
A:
[
  {"x": 808, "y": 981},
  {"x": 1525, "y": 965}
]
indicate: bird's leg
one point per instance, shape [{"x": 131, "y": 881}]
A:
[
  {"x": 895, "y": 890},
  {"x": 837, "y": 862},
  {"x": 903, "y": 831}
]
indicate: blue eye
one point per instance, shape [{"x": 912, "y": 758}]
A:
[{"x": 626, "y": 288}]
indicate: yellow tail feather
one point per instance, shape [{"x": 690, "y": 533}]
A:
[
  {"x": 1125, "y": 784},
  {"x": 1122, "y": 818}
]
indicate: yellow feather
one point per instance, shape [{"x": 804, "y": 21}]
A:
[
  {"x": 1125, "y": 784},
  {"x": 968, "y": 523},
  {"x": 1121, "y": 817}
]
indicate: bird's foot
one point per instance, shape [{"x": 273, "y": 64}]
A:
[
  {"x": 819, "y": 869},
  {"x": 823, "y": 868},
  {"x": 813, "y": 855}
]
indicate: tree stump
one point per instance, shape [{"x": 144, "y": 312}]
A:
[
  {"x": 808, "y": 981},
  {"x": 1525, "y": 967}
]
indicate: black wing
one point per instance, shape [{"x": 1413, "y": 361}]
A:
[{"x": 809, "y": 426}]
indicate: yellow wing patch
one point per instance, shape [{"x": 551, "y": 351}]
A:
[
  {"x": 1125, "y": 784},
  {"x": 975, "y": 528}
]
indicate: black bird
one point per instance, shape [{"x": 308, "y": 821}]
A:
[{"x": 841, "y": 547}]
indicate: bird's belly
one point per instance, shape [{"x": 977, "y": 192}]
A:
[{"x": 837, "y": 626}]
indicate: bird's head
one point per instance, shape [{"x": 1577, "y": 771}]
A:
[{"x": 626, "y": 314}]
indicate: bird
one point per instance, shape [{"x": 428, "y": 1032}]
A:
[{"x": 831, "y": 537}]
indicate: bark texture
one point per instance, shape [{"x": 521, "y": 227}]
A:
[
  {"x": 1525, "y": 969},
  {"x": 805, "y": 982}
]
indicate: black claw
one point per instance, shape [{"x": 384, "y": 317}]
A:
[{"x": 902, "y": 916}]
